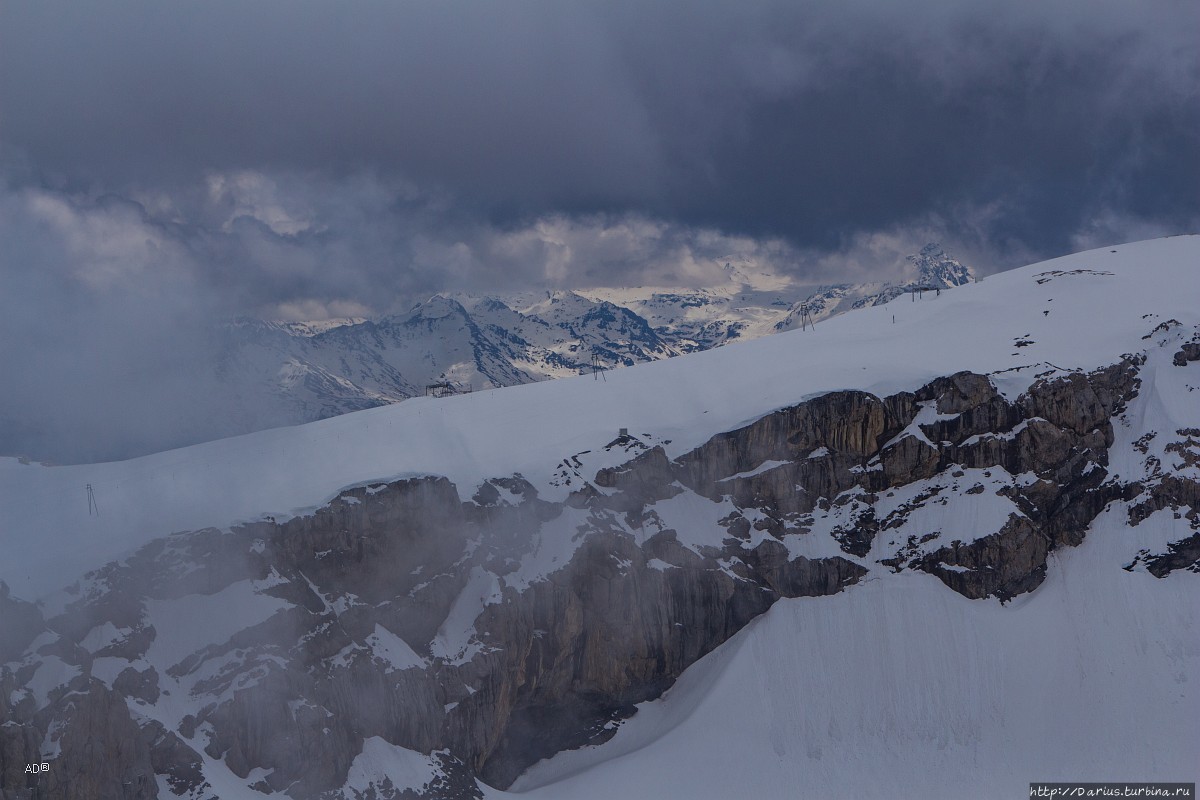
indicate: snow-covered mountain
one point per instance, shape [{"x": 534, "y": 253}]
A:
[
  {"x": 288, "y": 373},
  {"x": 257, "y": 374},
  {"x": 468, "y": 343},
  {"x": 935, "y": 268},
  {"x": 931, "y": 547}
]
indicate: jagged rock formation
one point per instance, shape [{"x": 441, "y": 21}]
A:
[
  {"x": 482, "y": 634},
  {"x": 936, "y": 268},
  {"x": 1189, "y": 352}
]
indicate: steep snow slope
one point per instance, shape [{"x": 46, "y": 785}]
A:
[
  {"x": 897, "y": 688},
  {"x": 1081, "y": 311}
]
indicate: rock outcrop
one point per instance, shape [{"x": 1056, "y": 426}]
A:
[{"x": 1189, "y": 352}]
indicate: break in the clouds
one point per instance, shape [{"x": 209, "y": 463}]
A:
[{"x": 163, "y": 165}]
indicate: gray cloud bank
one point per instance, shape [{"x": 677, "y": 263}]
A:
[
  {"x": 806, "y": 120},
  {"x": 165, "y": 165}
]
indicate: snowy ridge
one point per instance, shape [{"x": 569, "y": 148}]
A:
[
  {"x": 269, "y": 374},
  {"x": 686, "y": 400},
  {"x": 744, "y": 464}
]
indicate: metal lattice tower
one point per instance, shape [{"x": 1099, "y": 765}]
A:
[{"x": 598, "y": 368}]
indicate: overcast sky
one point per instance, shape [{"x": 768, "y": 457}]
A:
[{"x": 165, "y": 163}]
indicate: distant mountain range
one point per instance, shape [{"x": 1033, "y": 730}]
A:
[{"x": 285, "y": 373}]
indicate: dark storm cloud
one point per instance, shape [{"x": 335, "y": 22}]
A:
[
  {"x": 501, "y": 99},
  {"x": 810, "y": 121}
]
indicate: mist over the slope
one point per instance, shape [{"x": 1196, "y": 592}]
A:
[{"x": 168, "y": 167}]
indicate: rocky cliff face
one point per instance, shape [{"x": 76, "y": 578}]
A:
[{"x": 483, "y": 633}]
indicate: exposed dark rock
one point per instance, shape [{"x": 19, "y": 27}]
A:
[
  {"x": 103, "y": 751},
  {"x": 142, "y": 685},
  {"x": 1187, "y": 449},
  {"x": 171, "y": 757},
  {"x": 665, "y": 547},
  {"x": 646, "y": 478},
  {"x": 615, "y": 632},
  {"x": 1004, "y": 564},
  {"x": 1184, "y": 554},
  {"x": 1082, "y": 403},
  {"x": 908, "y": 459},
  {"x": 851, "y": 423},
  {"x": 1171, "y": 491},
  {"x": 802, "y": 577},
  {"x": 856, "y": 537},
  {"x": 962, "y": 391},
  {"x": 20, "y": 744},
  {"x": 1189, "y": 352}
]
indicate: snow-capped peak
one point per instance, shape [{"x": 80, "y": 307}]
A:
[
  {"x": 436, "y": 307},
  {"x": 935, "y": 268}
]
